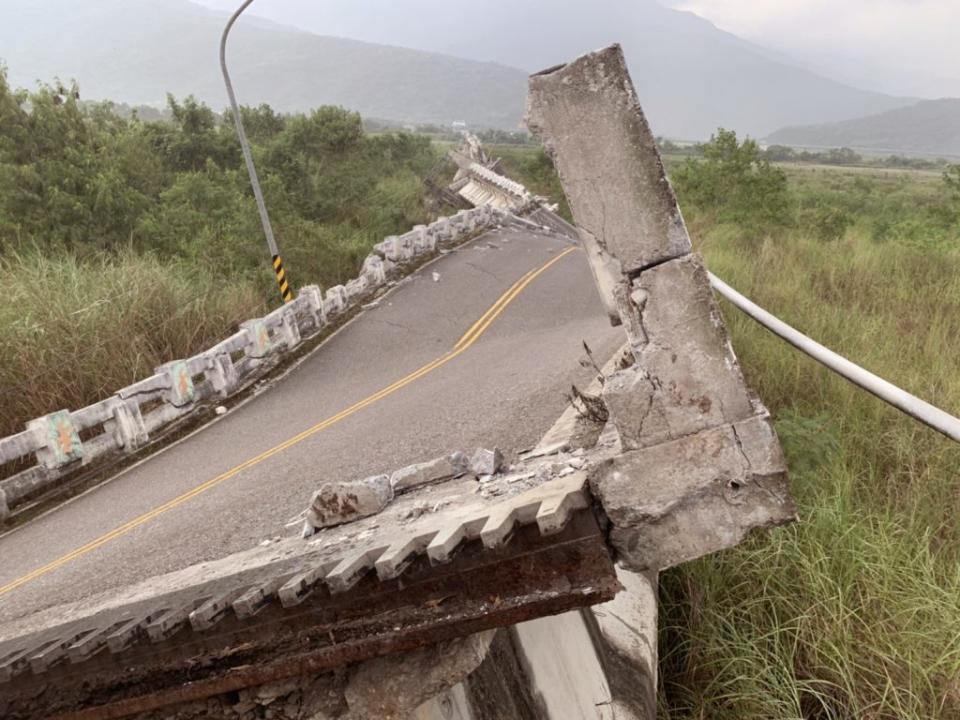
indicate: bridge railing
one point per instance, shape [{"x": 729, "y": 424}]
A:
[{"x": 52, "y": 449}]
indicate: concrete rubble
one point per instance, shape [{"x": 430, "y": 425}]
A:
[
  {"x": 700, "y": 464},
  {"x": 684, "y": 462},
  {"x": 336, "y": 503},
  {"x": 442, "y": 468},
  {"x": 486, "y": 462}
]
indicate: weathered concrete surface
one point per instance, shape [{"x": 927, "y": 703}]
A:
[
  {"x": 451, "y": 704},
  {"x": 393, "y": 687},
  {"x": 486, "y": 462},
  {"x": 626, "y": 642},
  {"x": 683, "y": 499},
  {"x": 343, "y": 501},
  {"x": 702, "y": 464},
  {"x": 687, "y": 377},
  {"x": 441, "y": 468},
  {"x": 591, "y": 123},
  {"x": 563, "y": 669}
]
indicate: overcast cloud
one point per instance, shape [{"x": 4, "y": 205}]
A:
[
  {"x": 905, "y": 47},
  {"x": 901, "y": 47}
]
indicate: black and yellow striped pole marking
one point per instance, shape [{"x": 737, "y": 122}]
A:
[{"x": 282, "y": 281}]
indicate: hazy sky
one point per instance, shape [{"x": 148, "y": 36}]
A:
[
  {"x": 905, "y": 47},
  {"x": 902, "y": 47}
]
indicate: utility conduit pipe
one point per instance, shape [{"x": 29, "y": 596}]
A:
[{"x": 913, "y": 406}]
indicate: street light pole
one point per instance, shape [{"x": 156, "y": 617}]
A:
[{"x": 282, "y": 281}]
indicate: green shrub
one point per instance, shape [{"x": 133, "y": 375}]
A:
[
  {"x": 125, "y": 243},
  {"x": 735, "y": 184},
  {"x": 830, "y": 223}
]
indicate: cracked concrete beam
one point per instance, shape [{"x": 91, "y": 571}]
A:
[
  {"x": 591, "y": 123},
  {"x": 680, "y": 500},
  {"x": 701, "y": 465},
  {"x": 687, "y": 377}
]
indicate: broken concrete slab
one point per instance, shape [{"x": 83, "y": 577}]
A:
[
  {"x": 687, "y": 377},
  {"x": 340, "y": 502},
  {"x": 486, "y": 462},
  {"x": 590, "y": 121},
  {"x": 392, "y": 687},
  {"x": 627, "y": 644},
  {"x": 686, "y": 484},
  {"x": 442, "y": 468},
  {"x": 680, "y": 500}
]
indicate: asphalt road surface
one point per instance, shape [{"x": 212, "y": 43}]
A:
[{"x": 191, "y": 502}]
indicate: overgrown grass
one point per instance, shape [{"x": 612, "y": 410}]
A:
[
  {"x": 72, "y": 332},
  {"x": 854, "y": 612},
  {"x": 126, "y": 243}
]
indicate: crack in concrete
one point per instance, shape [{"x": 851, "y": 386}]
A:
[
  {"x": 739, "y": 442},
  {"x": 485, "y": 271}
]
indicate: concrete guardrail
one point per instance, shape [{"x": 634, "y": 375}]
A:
[{"x": 59, "y": 444}]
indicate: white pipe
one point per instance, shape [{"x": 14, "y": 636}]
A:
[{"x": 915, "y": 407}]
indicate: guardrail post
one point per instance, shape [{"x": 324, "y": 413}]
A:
[
  {"x": 315, "y": 302},
  {"x": 424, "y": 240},
  {"x": 335, "y": 300},
  {"x": 221, "y": 373},
  {"x": 391, "y": 248},
  {"x": 374, "y": 270},
  {"x": 258, "y": 339},
  {"x": 129, "y": 432},
  {"x": 180, "y": 392},
  {"x": 58, "y": 440},
  {"x": 290, "y": 330},
  {"x": 406, "y": 246}
]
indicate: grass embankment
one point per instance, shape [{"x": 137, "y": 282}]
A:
[
  {"x": 854, "y": 611},
  {"x": 75, "y": 331},
  {"x": 125, "y": 244}
]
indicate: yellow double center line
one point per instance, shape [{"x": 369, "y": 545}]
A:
[{"x": 463, "y": 344}]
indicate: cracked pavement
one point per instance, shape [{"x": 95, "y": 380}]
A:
[{"x": 506, "y": 390}]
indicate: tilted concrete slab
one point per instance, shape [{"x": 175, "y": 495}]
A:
[
  {"x": 686, "y": 484},
  {"x": 591, "y": 123},
  {"x": 480, "y": 557}
]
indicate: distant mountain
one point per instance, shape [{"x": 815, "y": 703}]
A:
[
  {"x": 135, "y": 51},
  {"x": 691, "y": 76},
  {"x": 931, "y": 127}
]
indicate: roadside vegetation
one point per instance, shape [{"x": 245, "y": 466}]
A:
[
  {"x": 125, "y": 242},
  {"x": 854, "y": 611}
]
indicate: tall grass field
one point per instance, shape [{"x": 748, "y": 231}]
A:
[
  {"x": 854, "y": 611},
  {"x": 125, "y": 243}
]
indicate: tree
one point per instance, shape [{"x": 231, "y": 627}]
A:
[{"x": 736, "y": 183}]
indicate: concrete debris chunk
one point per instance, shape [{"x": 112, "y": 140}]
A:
[
  {"x": 486, "y": 462},
  {"x": 669, "y": 505},
  {"x": 442, "y": 468},
  {"x": 392, "y": 687},
  {"x": 544, "y": 450},
  {"x": 340, "y": 502},
  {"x": 687, "y": 377}
]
